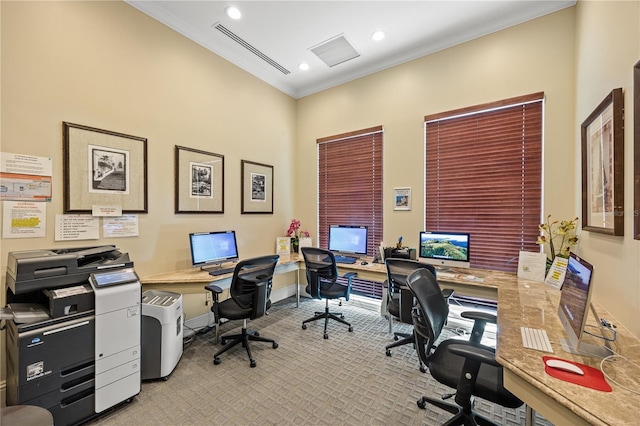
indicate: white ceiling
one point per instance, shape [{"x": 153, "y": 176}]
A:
[{"x": 285, "y": 32}]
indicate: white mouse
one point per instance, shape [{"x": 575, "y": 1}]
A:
[{"x": 564, "y": 366}]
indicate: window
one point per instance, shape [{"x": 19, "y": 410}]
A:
[
  {"x": 350, "y": 189},
  {"x": 483, "y": 175}
]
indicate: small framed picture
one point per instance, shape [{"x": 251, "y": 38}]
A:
[
  {"x": 402, "y": 198},
  {"x": 199, "y": 186},
  {"x": 257, "y": 188}
]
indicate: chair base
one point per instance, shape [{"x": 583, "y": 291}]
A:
[
  {"x": 404, "y": 339},
  {"x": 245, "y": 337},
  {"x": 463, "y": 416},
  {"x": 326, "y": 315}
]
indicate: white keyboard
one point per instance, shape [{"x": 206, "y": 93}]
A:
[{"x": 535, "y": 338}]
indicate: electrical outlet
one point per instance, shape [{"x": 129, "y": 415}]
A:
[{"x": 208, "y": 300}]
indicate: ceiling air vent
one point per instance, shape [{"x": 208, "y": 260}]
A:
[
  {"x": 251, "y": 49},
  {"x": 335, "y": 51}
]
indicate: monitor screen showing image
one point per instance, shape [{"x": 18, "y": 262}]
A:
[
  {"x": 575, "y": 298},
  {"x": 444, "y": 248},
  {"x": 348, "y": 239},
  {"x": 210, "y": 248}
]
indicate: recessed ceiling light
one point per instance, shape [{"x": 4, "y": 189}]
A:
[
  {"x": 378, "y": 35},
  {"x": 233, "y": 12},
  {"x": 303, "y": 66}
]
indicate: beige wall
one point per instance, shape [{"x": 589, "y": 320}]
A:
[
  {"x": 607, "y": 47},
  {"x": 107, "y": 65}
]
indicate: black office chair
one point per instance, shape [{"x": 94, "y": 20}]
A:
[
  {"x": 400, "y": 300},
  {"x": 467, "y": 366},
  {"x": 250, "y": 291},
  {"x": 322, "y": 276}
]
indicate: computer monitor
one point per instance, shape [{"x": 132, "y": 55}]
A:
[
  {"x": 348, "y": 239},
  {"x": 211, "y": 249},
  {"x": 573, "y": 310},
  {"x": 444, "y": 249}
]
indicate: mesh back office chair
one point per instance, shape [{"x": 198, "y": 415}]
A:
[
  {"x": 400, "y": 299},
  {"x": 467, "y": 366},
  {"x": 250, "y": 291},
  {"x": 322, "y": 276}
]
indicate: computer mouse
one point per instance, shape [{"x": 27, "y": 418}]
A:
[
  {"x": 564, "y": 366},
  {"x": 364, "y": 263}
]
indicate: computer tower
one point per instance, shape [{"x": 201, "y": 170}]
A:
[{"x": 162, "y": 333}]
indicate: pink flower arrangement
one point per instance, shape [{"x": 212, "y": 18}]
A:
[{"x": 293, "y": 230}]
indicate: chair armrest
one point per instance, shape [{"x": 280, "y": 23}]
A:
[
  {"x": 213, "y": 288},
  {"x": 480, "y": 320},
  {"x": 479, "y": 316},
  {"x": 474, "y": 352},
  {"x": 447, "y": 293},
  {"x": 350, "y": 275}
]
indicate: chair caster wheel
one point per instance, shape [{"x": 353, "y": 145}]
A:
[
  {"x": 350, "y": 329},
  {"x": 388, "y": 352},
  {"x": 341, "y": 316},
  {"x": 422, "y": 404},
  {"x": 252, "y": 363},
  {"x": 275, "y": 345},
  {"x": 223, "y": 341},
  {"x": 326, "y": 336},
  {"x": 255, "y": 333},
  {"x": 216, "y": 361},
  {"x": 304, "y": 326},
  {"x": 396, "y": 338},
  {"x": 423, "y": 369}
]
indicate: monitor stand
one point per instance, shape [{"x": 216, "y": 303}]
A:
[
  {"x": 588, "y": 349},
  {"x": 214, "y": 267}
]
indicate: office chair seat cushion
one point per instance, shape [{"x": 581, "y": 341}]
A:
[
  {"x": 332, "y": 291},
  {"x": 446, "y": 368},
  {"x": 230, "y": 310}
]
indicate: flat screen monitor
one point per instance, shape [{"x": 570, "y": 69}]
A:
[
  {"x": 445, "y": 249},
  {"x": 573, "y": 310},
  {"x": 213, "y": 248},
  {"x": 348, "y": 239}
]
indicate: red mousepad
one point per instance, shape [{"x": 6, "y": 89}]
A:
[{"x": 593, "y": 378}]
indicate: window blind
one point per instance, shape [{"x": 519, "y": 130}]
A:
[
  {"x": 483, "y": 175},
  {"x": 350, "y": 184}
]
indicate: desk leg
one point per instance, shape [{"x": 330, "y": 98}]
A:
[
  {"x": 298, "y": 288},
  {"x": 530, "y": 415}
]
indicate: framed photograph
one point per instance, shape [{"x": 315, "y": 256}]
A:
[
  {"x": 603, "y": 167},
  {"x": 636, "y": 151},
  {"x": 257, "y": 188},
  {"x": 103, "y": 168},
  {"x": 199, "y": 181},
  {"x": 402, "y": 198}
]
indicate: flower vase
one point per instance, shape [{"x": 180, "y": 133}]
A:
[{"x": 295, "y": 244}]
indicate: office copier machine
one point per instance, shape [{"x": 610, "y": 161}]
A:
[{"x": 73, "y": 346}]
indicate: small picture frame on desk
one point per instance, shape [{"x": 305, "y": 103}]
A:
[{"x": 283, "y": 245}]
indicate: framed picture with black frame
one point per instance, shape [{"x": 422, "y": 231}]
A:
[
  {"x": 636, "y": 151},
  {"x": 199, "y": 181},
  {"x": 103, "y": 168},
  {"x": 602, "y": 135},
  {"x": 257, "y": 188}
]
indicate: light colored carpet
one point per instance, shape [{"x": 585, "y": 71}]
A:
[{"x": 344, "y": 380}]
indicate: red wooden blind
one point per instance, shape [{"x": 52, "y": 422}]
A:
[
  {"x": 484, "y": 177},
  {"x": 350, "y": 184}
]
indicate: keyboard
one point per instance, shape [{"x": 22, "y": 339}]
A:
[
  {"x": 345, "y": 259},
  {"x": 221, "y": 271},
  {"x": 535, "y": 338}
]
